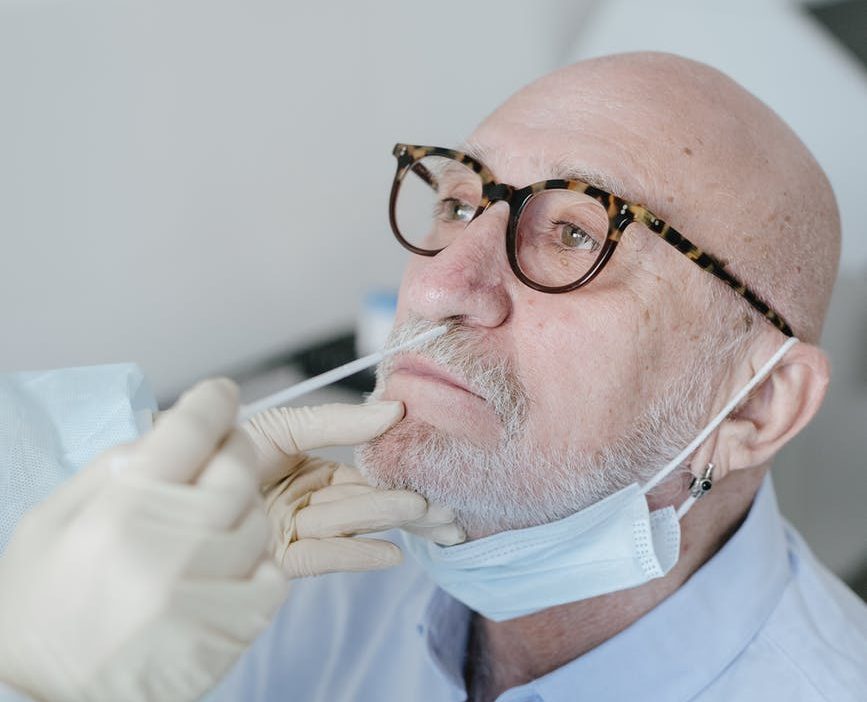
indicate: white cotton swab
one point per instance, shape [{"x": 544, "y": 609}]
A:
[{"x": 332, "y": 376}]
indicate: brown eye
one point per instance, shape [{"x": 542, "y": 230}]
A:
[
  {"x": 575, "y": 238},
  {"x": 451, "y": 209}
]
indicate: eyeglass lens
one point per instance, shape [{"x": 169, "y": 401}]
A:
[{"x": 559, "y": 232}]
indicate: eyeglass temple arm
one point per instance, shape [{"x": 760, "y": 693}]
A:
[
  {"x": 422, "y": 172},
  {"x": 712, "y": 265}
]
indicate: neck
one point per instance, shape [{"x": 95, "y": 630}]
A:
[{"x": 505, "y": 654}]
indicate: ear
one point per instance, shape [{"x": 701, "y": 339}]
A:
[{"x": 777, "y": 410}]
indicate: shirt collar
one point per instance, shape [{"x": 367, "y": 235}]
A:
[
  {"x": 694, "y": 634},
  {"x": 445, "y": 626},
  {"x": 697, "y": 631}
]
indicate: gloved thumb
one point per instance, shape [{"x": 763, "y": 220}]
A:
[{"x": 281, "y": 435}]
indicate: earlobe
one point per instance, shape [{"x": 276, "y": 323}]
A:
[{"x": 777, "y": 411}]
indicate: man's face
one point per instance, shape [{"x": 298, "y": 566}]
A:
[{"x": 535, "y": 404}]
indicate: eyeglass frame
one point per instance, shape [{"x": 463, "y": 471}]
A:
[{"x": 620, "y": 215}]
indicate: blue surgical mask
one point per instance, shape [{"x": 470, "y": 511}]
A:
[
  {"x": 614, "y": 544},
  {"x": 53, "y": 423}
]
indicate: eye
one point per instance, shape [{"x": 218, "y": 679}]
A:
[
  {"x": 451, "y": 209},
  {"x": 574, "y": 238}
]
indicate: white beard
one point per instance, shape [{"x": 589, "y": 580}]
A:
[{"x": 519, "y": 483}]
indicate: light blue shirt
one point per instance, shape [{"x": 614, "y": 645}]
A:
[{"x": 762, "y": 620}]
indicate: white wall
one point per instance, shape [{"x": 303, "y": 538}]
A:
[{"x": 195, "y": 185}]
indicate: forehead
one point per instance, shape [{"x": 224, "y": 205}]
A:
[
  {"x": 521, "y": 154},
  {"x": 561, "y": 167}
]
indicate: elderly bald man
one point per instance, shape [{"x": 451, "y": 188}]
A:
[
  {"x": 632, "y": 259},
  {"x": 590, "y": 341}
]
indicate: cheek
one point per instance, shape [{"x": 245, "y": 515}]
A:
[{"x": 583, "y": 375}]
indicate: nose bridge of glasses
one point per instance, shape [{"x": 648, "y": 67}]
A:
[
  {"x": 496, "y": 192},
  {"x": 492, "y": 193}
]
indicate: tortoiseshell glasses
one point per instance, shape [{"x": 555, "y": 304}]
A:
[{"x": 560, "y": 234}]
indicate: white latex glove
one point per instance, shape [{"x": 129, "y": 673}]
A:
[
  {"x": 146, "y": 575},
  {"x": 315, "y": 505}
]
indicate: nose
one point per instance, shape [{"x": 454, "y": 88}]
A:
[{"x": 467, "y": 280}]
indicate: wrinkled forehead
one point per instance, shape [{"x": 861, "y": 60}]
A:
[
  {"x": 601, "y": 147},
  {"x": 537, "y": 164}
]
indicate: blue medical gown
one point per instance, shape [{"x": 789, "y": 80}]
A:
[{"x": 53, "y": 423}]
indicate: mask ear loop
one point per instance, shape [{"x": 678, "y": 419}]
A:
[{"x": 762, "y": 373}]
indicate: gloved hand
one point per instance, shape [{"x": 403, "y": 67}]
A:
[
  {"x": 146, "y": 575},
  {"x": 315, "y": 505}
]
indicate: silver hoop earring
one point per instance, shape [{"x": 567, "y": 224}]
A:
[{"x": 701, "y": 486}]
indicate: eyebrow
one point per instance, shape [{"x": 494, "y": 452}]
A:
[
  {"x": 561, "y": 169},
  {"x": 604, "y": 181}
]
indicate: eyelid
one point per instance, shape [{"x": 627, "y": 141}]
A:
[
  {"x": 577, "y": 226},
  {"x": 447, "y": 202}
]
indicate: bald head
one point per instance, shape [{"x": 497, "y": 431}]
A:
[
  {"x": 704, "y": 154},
  {"x": 609, "y": 382}
]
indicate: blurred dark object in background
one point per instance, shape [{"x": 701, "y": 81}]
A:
[
  {"x": 330, "y": 353},
  {"x": 847, "y": 21}
]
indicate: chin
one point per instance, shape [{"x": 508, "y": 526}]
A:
[
  {"x": 509, "y": 486},
  {"x": 390, "y": 461}
]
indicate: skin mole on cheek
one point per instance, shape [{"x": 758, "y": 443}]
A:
[{"x": 687, "y": 151}]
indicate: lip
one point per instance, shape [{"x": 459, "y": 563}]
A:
[{"x": 428, "y": 370}]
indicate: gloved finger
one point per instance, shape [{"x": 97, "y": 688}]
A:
[
  {"x": 239, "y": 608},
  {"x": 280, "y": 434},
  {"x": 172, "y": 504},
  {"x": 339, "y": 492},
  {"x": 444, "y": 535},
  {"x": 437, "y": 523},
  {"x": 436, "y": 515},
  {"x": 375, "y": 511},
  {"x": 233, "y": 468},
  {"x": 319, "y": 556},
  {"x": 235, "y": 553},
  {"x": 348, "y": 474},
  {"x": 186, "y": 436},
  {"x": 282, "y": 497}
]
